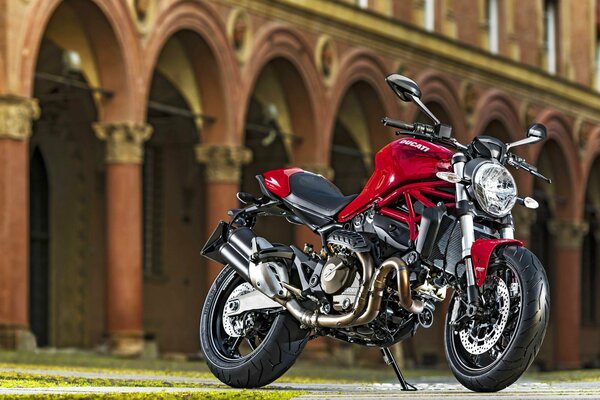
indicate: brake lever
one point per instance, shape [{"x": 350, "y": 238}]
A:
[
  {"x": 518, "y": 162},
  {"x": 537, "y": 174}
]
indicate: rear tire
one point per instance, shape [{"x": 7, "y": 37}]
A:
[
  {"x": 273, "y": 356},
  {"x": 526, "y": 338}
]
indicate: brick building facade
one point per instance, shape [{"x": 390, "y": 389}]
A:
[{"x": 127, "y": 127}]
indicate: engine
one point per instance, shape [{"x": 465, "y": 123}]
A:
[{"x": 341, "y": 280}]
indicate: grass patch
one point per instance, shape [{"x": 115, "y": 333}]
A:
[
  {"x": 33, "y": 380},
  {"x": 582, "y": 375},
  {"x": 206, "y": 395},
  {"x": 94, "y": 361}
]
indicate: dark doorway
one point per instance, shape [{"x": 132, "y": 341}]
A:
[
  {"x": 39, "y": 226},
  {"x": 347, "y": 161}
]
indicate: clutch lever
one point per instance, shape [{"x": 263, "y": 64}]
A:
[{"x": 415, "y": 134}]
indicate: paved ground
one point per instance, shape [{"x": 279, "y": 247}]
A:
[{"x": 429, "y": 388}]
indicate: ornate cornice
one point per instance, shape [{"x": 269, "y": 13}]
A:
[
  {"x": 124, "y": 141},
  {"x": 398, "y": 40},
  {"x": 223, "y": 162},
  {"x": 16, "y": 116},
  {"x": 320, "y": 169},
  {"x": 568, "y": 234}
]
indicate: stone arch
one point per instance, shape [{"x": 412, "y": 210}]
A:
[
  {"x": 116, "y": 66},
  {"x": 364, "y": 71},
  {"x": 497, "y": 106},
  {"x": 205, "y": 42},
  {"x": 283, "y": 48},
  {"x": 558, "y": 156},
  {"x": 437, "y": 89}
]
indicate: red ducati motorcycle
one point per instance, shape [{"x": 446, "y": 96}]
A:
[{"x": 429, "y": 219}]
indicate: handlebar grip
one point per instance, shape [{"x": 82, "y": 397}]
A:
[{"x": 394, "y": 123}]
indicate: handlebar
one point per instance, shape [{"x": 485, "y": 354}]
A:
[
  {"x": 394, "y": 123},
  {"x": 410, "y": 129},
  {"x": 440, "y": 133},
  {"x": 430, "y": 133}
]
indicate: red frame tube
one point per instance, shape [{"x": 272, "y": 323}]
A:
[{"x": 427, "y": 193}]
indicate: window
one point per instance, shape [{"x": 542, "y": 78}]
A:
[
  {"x": 429, "y": 15},
  {"x": 492, "y": 25},
  {"x": 550, "y": 28}
]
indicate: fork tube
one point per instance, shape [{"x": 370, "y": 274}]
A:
[{"x": 466, "y": 224}]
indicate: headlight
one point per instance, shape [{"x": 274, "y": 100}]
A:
[{"x": 494, "y": 188}]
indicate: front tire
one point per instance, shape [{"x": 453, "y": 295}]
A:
[
  {"x": 270, "y": 351},
  {"x": 483, "y": 360}
]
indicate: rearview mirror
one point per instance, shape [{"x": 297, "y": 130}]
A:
[
  {"x": 404, "y": 87},
  {"x": 537, "y": 131}
]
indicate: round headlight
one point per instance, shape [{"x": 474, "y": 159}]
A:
[{"x": 495, "y": 189}]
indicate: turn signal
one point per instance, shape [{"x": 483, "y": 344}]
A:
[
  {"x": 448, "y": 177},
  {"x": 530, "y": 203}
]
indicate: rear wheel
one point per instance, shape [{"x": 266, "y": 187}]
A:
[
  {"x": 250, "y": 350},
  {"x": 491, "y": 350}
]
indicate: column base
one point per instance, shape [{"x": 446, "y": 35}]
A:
[
  {"x": 127, "y": 344},
  {"x": 17, "y": 338}
]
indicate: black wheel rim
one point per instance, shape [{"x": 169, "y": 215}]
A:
[
  {"x": 488, "y": 359},
  {"x": 230, "y": 348}
]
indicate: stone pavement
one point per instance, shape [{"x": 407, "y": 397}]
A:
[{"x": 429, "y": 387}]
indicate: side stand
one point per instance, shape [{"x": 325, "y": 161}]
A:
[{"x": 389, "y": 360}]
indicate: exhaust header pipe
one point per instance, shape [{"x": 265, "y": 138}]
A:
[{"x": 368, "y": 301}]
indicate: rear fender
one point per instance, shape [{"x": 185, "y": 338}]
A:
[{"x": 482, "y": 250}]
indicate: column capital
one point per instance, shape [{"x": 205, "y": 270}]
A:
[
  {"x": 124, "y": 140},
  {"x": 223, "y": 161},
  {"x": 523, "y": 218},
  {"x": 568, "y": 234},
  {"x": 321, "y": 169},
  {"x": 16, "y": 115}
]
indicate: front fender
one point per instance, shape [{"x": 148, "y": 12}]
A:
[{"x": 482, "y": 250}]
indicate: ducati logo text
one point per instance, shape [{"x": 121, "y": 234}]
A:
[{"x": 419, "y": 146}]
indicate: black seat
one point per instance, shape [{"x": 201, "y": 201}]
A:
[{"x": 315, "y": 194}]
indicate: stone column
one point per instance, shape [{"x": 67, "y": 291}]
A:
[
  {"x": 223, "y": 168},
  {"x": 566, "y": 296},
  {"x": 124, "y": 292},
  {"x": 16, "y": 115}
]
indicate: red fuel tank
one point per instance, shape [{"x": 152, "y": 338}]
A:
[{"x": 399, "y": 163}]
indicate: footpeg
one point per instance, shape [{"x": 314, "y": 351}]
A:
[{"x": 389, "y": 360}]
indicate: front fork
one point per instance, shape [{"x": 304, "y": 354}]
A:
[{"x": 465, "y": 213}]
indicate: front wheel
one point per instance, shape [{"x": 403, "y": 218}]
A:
[
  {"x": 251, "y": 349},
  {"x": 490, "y": 351}
]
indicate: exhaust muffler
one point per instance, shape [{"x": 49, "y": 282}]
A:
[{"x": 231, "y": 247}]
